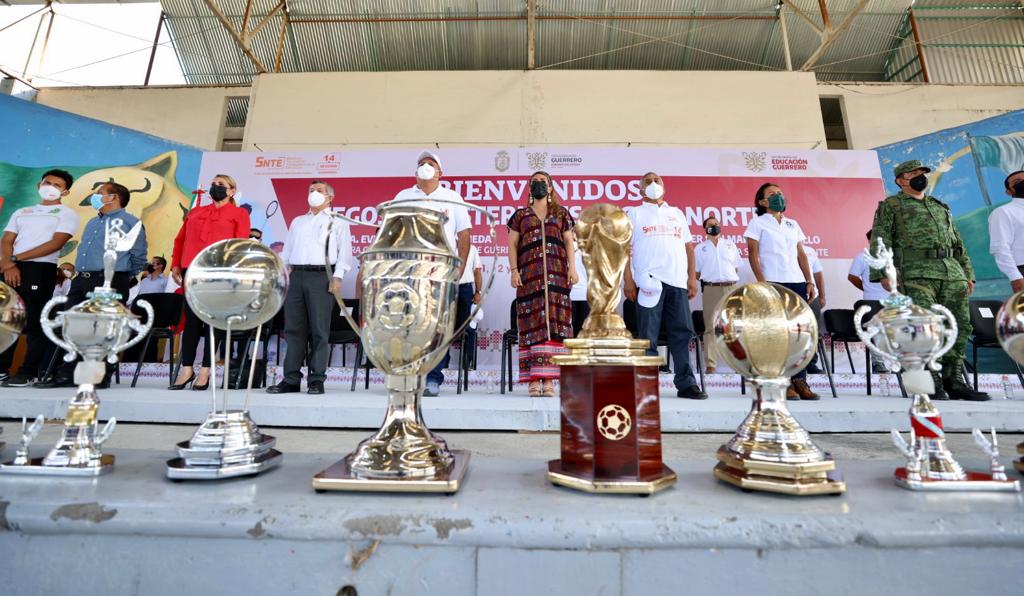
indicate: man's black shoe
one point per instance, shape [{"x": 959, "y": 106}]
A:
[
  {"x": 315, "y": 388},
  {"x": 54, "y": 383},
  {"x": 812, "y": 369},
  {"x": 284, "y": 388},
  {"x": 940, "y": 394},
  {"x": 966, "y": 393},
  {"x": 692, "y": 392},
  {"x": 18, "y": 380}
]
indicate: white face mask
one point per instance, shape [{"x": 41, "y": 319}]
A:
[
  {"x": 316, "y": 198},
  {"x": 426, "y": 172},
  {"x": 49, "y": 193},
  {"x": 654, "y": 191}
]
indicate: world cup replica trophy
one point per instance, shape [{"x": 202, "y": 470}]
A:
[
  {"x": 1010, "y": 331},
  {"x": 97, "y": 329},
  {"x": 908, "y": 337},
  {"x": 410, "y": 278},
  {"x": 611, "y": 420},
  {"x": 234, "y": 285},
  {"x": 767, "y": 333},
  {"x": 12, "y": 320}
]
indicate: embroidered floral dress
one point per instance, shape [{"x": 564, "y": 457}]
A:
[{"x": 543, "y": 305}]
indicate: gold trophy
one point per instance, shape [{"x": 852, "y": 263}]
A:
[
  {"x": 611, "y": 420},
  {"x": 767, "y": 333},
  {"x": 410, "y": 278},
  {"x": 12, "y": 320}
]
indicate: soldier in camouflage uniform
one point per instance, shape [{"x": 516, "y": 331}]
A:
[{"x": 932, "y": 265}]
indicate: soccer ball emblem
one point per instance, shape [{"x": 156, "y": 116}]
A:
[{"x": 614, "y": 422}]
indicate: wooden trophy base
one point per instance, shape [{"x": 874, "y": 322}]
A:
[
  {"x": 818, "y": 478},
  {"x": 339, "y": 477},
  {"x": 643, "y": 486}
]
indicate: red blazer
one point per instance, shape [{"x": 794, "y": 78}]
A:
[{"x": 205, "y": 225}]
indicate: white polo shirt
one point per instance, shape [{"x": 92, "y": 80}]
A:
[
  {"x": 660, "y": 235},
  {"x": 308, "y": 237},
  {"x": 873, "y": 290},
  {"x": 458, "y": 217},
  {"x": 37, "y": 224},
  {"x": 813, "y": 262},
  {"x": 777, "y": 241},
  {"x": 472, "y": 264},
  {"x": 1006, "y": 237},
  {"x": 717, "y": 264}
]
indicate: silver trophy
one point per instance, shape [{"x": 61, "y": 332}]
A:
[
  {"x": 97, "y": 329},
  {"x": 1010, "y": 331},
  {"x": 410, "y": 278},
  {"x": 235, "y": 285},
  {"x": 911, "y": 338},
  {"x": 12, "y": 320}
]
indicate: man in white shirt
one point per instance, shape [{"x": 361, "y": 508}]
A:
[
  {"x": 309, "y": 303},
  {"x": 818, "y": 303},
  {"x": 154, "y": 282},
  {"x": 661, "y": 278},
  {"x": 1006, "y": 232},
  {"x": 578, "y": 294},
  {"x": 31, "y": 243},
  {"x": 428, "y": 187},
  {"x": 717, "y": 262},
  {"x": 860, "y": 277}
]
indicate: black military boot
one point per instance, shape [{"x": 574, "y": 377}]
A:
[
  {"x": 940, "y": 391},
  {"x": 956, "y": 388}
]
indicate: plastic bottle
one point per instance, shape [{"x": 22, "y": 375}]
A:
[
  {"x": 1007, "y": 389},
  {"x": 884, "y": 381}
]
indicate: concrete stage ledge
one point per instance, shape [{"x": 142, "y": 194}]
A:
[
  {"x": 477, "y": 410},
  {"x": 507, "y": 532}
]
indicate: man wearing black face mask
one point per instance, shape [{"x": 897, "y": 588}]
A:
[
  {"x": 1006, "y": 232},
  {"x": 932, "y": 265}
]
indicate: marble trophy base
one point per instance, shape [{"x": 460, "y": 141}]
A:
[
  {"x": 611, "y": 419},
  {"x": 226, "y": 445},
  {"x": 35, "y": 467},
  {"x": 974, "y": 481},
  {"x": 816, "y": 478},
  {"x": 340, "y": 477}
]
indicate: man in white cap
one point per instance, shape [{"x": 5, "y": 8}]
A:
[{"x": 427, "y": 189}]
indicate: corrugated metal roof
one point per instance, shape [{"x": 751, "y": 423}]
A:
[{"x": 385, "y": 35}]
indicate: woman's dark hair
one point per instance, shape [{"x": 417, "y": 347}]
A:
[
  {"x": 759, "y": 196},
  {"x": 707, "y": 219},
  {"x": 554, "y": 202}
]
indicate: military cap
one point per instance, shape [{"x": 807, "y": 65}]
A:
[{"x": 909, "y": 166}]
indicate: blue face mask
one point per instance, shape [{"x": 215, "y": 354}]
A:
[
  {"x": 777, "y": 203},
  {"x": 97, "y": 201}
]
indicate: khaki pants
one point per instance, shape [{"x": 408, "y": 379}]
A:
[{"x": 711, "y": 295}]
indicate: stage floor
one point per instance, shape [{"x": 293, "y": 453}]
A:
[{"x": 477, "y": 409}]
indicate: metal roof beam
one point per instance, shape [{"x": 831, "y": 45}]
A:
[
  {"x": 832, "y": 35},
  {"x": 803, "y": 15},
  {"x": 239, "y": 38}
]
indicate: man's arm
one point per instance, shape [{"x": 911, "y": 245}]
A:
[
  {"x": 629, "y": 284},
  {"x": 137, "y": 258},
  {"x": 691, "y": 274},
  {"x": 882, "y": 227},
  {"x": 819, "y": 280},
  {"x": 54, "y": 244},
  {"x": 856, "y": 281},
  {"x": 6, "y": 250},
  {"x": 462, "y": 240},
  {"x": 805, "y": 268}
]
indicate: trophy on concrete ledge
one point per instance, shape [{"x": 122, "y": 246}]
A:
[
  {"x": 410, "y": 278},
  {"x": 767, "y": 333},
  {"x": 1010, "y": 331},
  {"x": 12, "y": 320},
  {"x": 235, "y": 285},
  {"x": 611, "y": 418},
  {"x": 911, "y": 338},
  {"x": 97, "y": 329}
]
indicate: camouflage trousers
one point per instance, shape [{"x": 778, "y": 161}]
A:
[{"x": 954, "y": 296}]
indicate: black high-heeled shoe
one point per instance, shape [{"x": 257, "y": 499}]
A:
[
  {"x": 203, "y": 387},
  {"x": 180, "y": 386}
]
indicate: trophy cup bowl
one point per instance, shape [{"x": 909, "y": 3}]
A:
[
  {"x": 12, "y": 316},
  {"x": 1010, "y": 331},
  {"x": 234, "y": 284},
  {"x": 409, "y": 286},
  {"x": 96, "y": 328},
  {"x": 768, "y": 333}
]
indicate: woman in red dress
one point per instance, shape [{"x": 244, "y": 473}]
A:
[
  {"x": 540, "y": 249},
  {"x": 203, "y": 226}
]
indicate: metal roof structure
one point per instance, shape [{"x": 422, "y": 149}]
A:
[{"x": 230, "y": 41}]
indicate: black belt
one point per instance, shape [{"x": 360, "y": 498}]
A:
[
  {"x": 310, "y": 267},
  {"x": 718, "y": 283},
  {"x": 88, "y": 274},
  {"x": 930, "y": 253}
]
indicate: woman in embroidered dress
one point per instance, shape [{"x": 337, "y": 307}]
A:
[{"x": 541, "y": 247}]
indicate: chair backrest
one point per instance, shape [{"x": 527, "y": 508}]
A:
[
  {"x": 983, "y": 319},
  {"x": 839, "y": 323},
  {"x": 166, "y": 308},
  {"x": 513, "y": 323},
  {"x": 697, "y": 317},
  {"x": 874, "y": 305},
  {"x": 340, "y": 323}
]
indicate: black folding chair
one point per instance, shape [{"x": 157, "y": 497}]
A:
[
  {"x": 983, "y": 333},
  {"x": 467, "y": 359},
  {"x": 697, "y": 319},
  {"x": 342, "y": 333},
  {"x": 166, "y": 316},
  {"x": 839, "y": 326},
  {"x": 508, "y": 339}
]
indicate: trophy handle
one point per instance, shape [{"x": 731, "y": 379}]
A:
[
  {"x": 140, "y": 329},
  {"x": 49, "y": 325},
  {"x": 867, "y": 334},
  {"x": 948, "y": 336}
]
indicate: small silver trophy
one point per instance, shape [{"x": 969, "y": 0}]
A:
[
  {"x": 234, "y": 284},
  {"x": 1010, "y": 331},
  {"x": 912, "y": 338},
  {"x": 12, "y": 320},
  {"x": 97, "y": 329}
]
